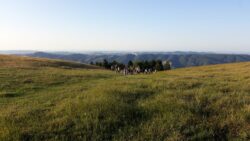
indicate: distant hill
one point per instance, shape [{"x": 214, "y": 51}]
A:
[
  {"x": 178, "y": 59},
  {"x": 20, "y": 61}
]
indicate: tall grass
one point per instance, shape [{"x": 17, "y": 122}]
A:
[{"x": 54, "y": 103}]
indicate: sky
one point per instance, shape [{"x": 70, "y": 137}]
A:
[{"x": 125, "y": 25}]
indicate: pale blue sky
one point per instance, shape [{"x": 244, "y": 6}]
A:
[{"x": 125, "y": 25}]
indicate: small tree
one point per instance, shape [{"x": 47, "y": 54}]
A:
[
  {"x": 152, "y": 64},
  {"x": 114, "y": 63},
  {"x": 121, "y": 66},
  {"x": 159, "y": 66},
  {"x": 167, "y": 65},
  {"x": 146, "y": 64},
  {"x": 106, "y": 64},
  {"x": 130, "y": 64}
]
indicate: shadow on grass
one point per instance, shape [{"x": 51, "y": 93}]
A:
[
  {"x": 130, "y": 115},
  {"x": 9, "y": 94},
  {"x": 118, "y": 117},
  {"x": 204, "y": 122}
]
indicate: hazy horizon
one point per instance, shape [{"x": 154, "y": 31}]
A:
[
  {"x": 112, "y": 51},
  {"x": 130, "y": 26}
]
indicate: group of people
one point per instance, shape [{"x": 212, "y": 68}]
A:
[
  {"x": 137, "y": 67},
  {"x": 131, "y": 71}
]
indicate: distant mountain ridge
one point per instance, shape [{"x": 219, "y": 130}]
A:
[{"x": 178, "y": 59}]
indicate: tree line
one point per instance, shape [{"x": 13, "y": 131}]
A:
[{"x": 136, "y": 66}]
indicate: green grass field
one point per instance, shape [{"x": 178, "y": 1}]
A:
[{"x": 54, "y": 100}]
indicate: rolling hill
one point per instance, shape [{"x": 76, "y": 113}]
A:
[
  {"x": 178, "y": 59},
  {"x": 15, "y": 61},
  {"x": 41, "y": 99}
]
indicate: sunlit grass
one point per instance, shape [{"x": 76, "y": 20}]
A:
[{"x": 58, "y": 103}]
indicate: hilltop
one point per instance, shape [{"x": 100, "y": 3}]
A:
[
  {"x": 17, "y": 61},
  {"x": 41, "y": 99}
]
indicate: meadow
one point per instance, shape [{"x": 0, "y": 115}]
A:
[{"x": 53, "y": 100}]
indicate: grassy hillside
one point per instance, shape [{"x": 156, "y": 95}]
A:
[
  {"x": 8, "y": 61},
  {"x": 50, "y": 102}
]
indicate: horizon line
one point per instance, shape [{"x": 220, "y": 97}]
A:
[{"x": 124, "y": 51}]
